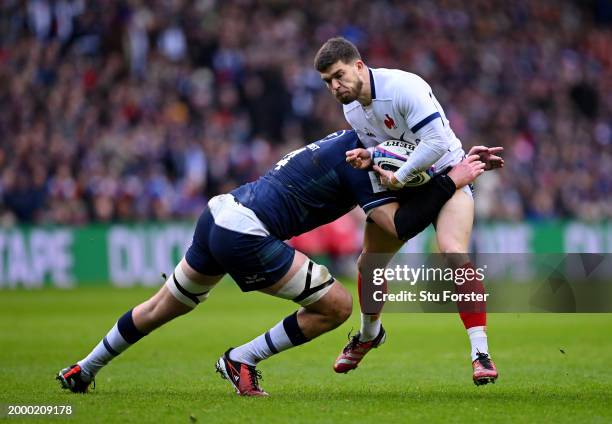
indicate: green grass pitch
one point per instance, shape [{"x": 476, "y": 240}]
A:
[{"x": 422, "y": 373}]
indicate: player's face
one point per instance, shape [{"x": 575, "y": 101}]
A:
[{"x": 343, "y": 80}]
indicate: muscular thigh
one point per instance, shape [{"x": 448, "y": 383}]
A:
[{"x": 455, "y": 222}]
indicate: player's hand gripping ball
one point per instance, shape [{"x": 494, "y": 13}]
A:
[{"x": 392, "y": 154}]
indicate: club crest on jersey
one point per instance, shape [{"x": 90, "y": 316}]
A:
[{"x": 389, "y": 122}]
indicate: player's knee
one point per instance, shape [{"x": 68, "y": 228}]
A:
[
  {"x": 339, "y": 307},
  {"x": 344, "y": 308},
  {"x": 451, "y": 248},
  {"x": 454, "y": 252}
]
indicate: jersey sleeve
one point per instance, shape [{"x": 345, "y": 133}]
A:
[{"x": 434, "y": 144}]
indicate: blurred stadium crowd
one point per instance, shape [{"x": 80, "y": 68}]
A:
[{"x": 134, "y": 109}]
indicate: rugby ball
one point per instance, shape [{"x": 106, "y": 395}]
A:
[{"x": 392, "y": 154}]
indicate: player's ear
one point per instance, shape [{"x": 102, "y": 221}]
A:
[{"x": 359, "y": 65}]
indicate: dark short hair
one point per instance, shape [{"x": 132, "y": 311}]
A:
[{"x": 335, "y": 49}]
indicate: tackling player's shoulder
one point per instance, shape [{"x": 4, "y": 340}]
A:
[
  {"x": 339, "y": 141},
  {"x": 331, "y": 150}
]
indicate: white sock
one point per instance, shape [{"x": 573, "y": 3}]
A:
[
  {"x": 123, "y": 335},
  {"x": 284, "y": 335},
  {"x": 370, "y": 327},
  {"x": 101, "y": 355},
  {"x": 478, "y": 340}
]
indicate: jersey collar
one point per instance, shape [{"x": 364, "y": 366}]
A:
[{"x": 372, "y": 86}]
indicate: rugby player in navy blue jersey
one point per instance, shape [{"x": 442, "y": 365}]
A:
[{"x": 242, "y": 233}]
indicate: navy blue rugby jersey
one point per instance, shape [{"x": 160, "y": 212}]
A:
[{"x": 312, "y": 186}]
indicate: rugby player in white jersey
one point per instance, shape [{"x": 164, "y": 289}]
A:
[{"x": 382, "y": 104}]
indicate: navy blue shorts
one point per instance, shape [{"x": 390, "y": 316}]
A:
[{"x": 254, "y": 262}]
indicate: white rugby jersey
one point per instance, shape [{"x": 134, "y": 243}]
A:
[{"x": 402, "y": 104}]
